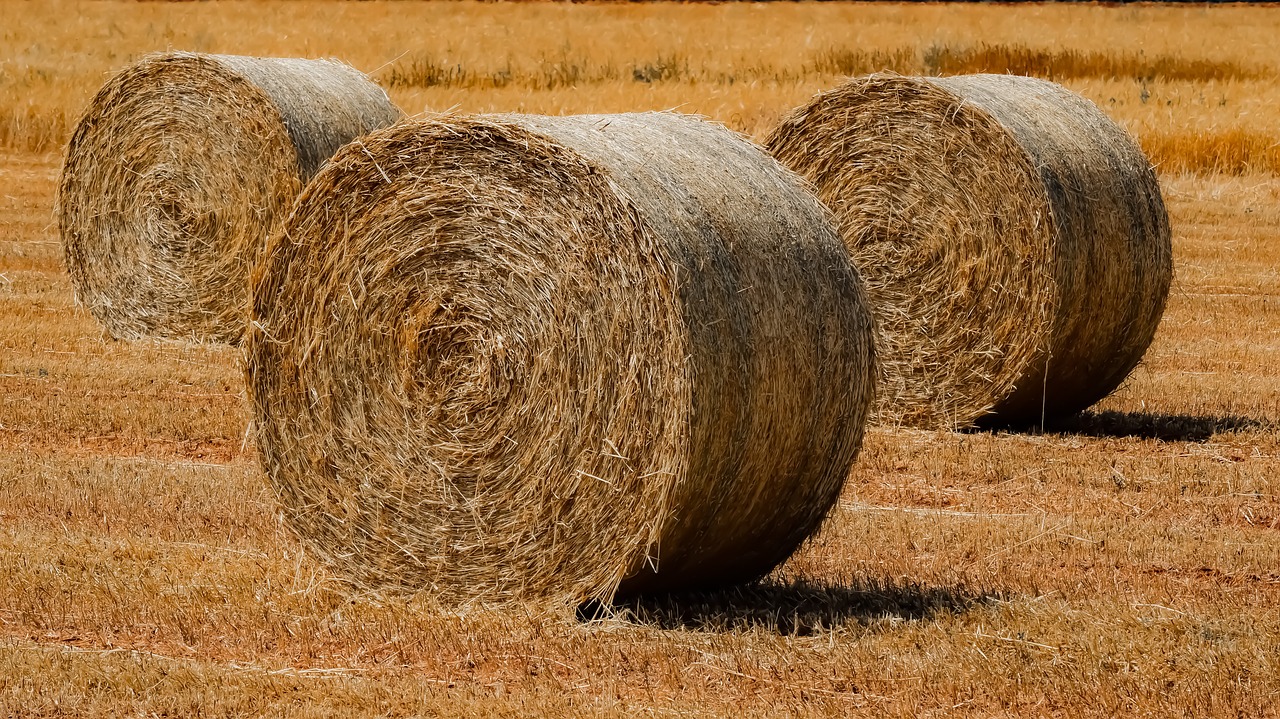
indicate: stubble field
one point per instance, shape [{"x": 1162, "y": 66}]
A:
[{"x": 1126, "y": 562}]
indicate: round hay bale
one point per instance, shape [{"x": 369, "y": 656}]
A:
[
  {"x": 536, "y": 357},
  {"x": 181, "y": 167},
  {"x": 1013, "y": 240}
]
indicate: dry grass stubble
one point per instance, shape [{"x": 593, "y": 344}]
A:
[{"x": 1123, "y": 565}]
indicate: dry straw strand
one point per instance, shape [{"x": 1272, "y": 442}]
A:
[
  {"x": 178, "y": 171},
  {"x": 1013, "y": 239},
  {"x": 530, "y": 357}
]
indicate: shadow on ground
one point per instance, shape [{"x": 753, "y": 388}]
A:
[
  {"x": 798, "y": 608},
  {"x": 1142, "y": 425}
]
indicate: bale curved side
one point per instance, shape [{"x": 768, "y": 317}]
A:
[
  {"x": 1003, "y": 225},
  {"x": 179, "y": 169},
  {"x": 557, "y": 357},
  {"x": 1112, "y": 242}
]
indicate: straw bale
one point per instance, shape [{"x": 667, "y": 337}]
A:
[
  {"x": 1013, "y": 239},
  {"x": 179, "y": 169},
  {"x": 531, "y": 357}
]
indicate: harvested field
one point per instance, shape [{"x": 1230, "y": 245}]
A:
[{"x": 1123, "y": 563}]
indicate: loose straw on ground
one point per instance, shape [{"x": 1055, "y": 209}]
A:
[
  {"x": 1013, "y": 239},
  {"x": 533, "y": 357},
  {"x": 181, "y": 167}
]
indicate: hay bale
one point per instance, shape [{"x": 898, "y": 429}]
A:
[
  {"x": 179, "y": 169},
  {"x": 557, "y": 357},
  {"x": 1013, "y": 240}
]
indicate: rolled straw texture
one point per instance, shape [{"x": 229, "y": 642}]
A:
[
  {"x": 532, "y": 357},
  {"x": 179, "y": 170},
  {"x": 1013, "y": 239}
]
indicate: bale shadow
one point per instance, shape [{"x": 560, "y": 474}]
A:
[
  {"x": 795, "y": 608},
  {"x": 1140, "y": 425}
]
